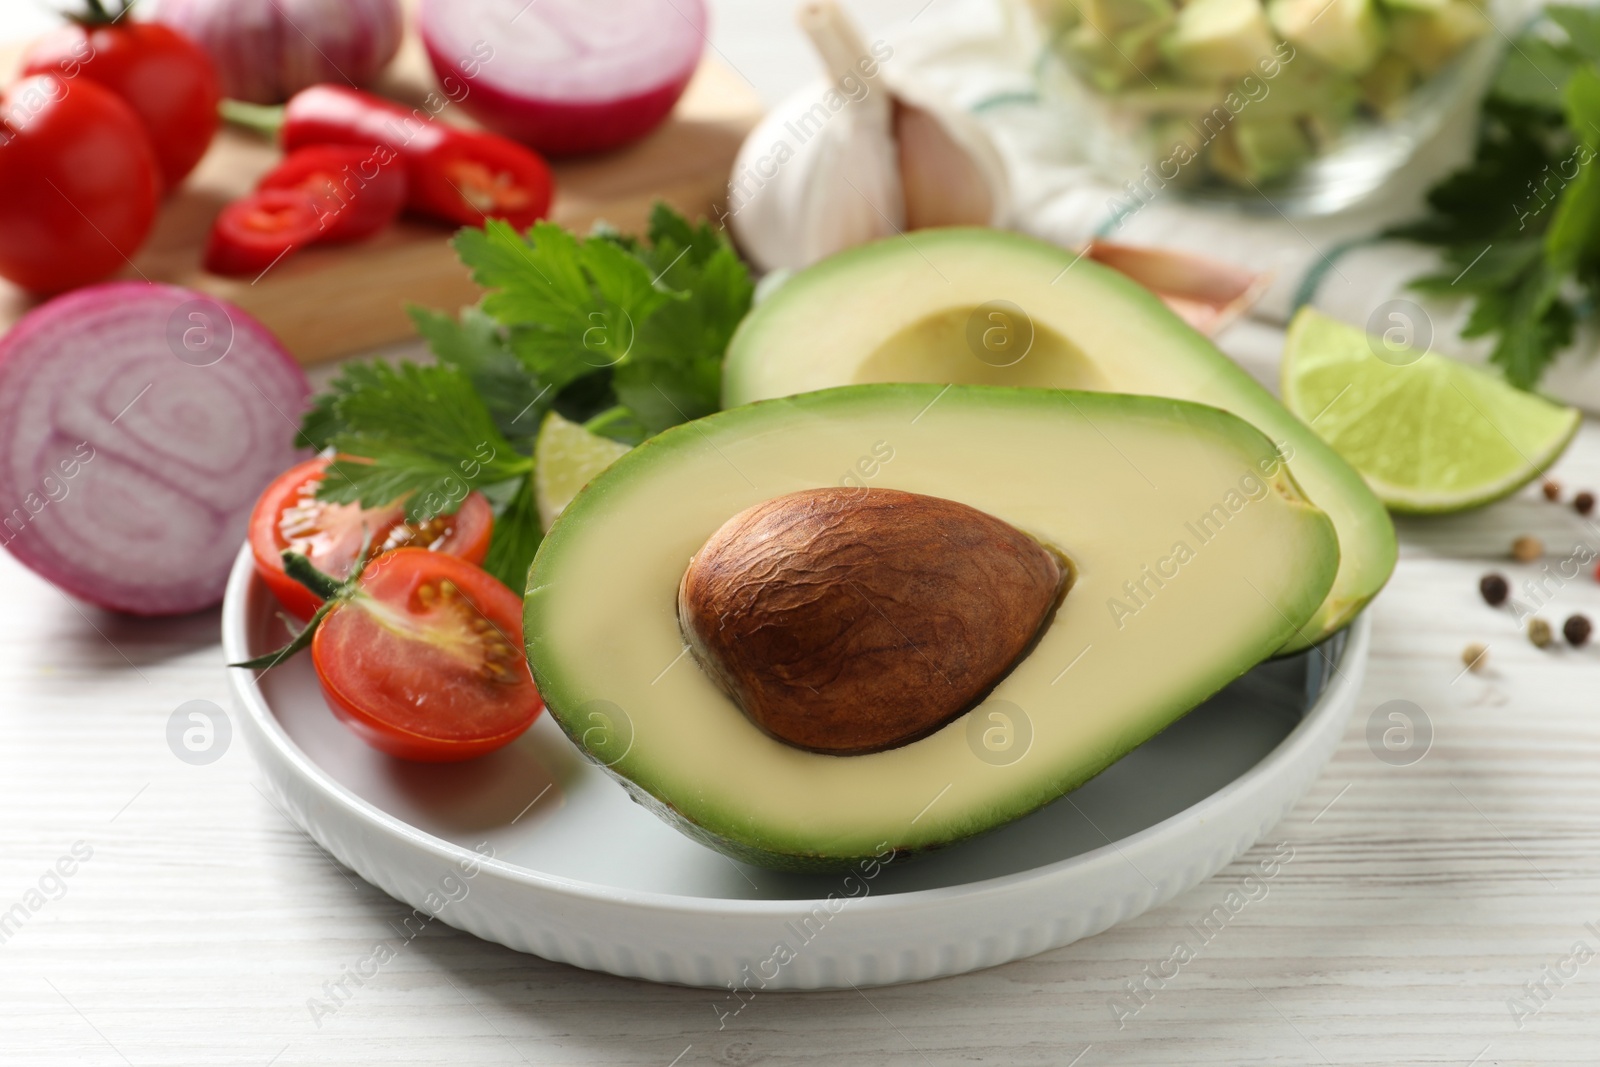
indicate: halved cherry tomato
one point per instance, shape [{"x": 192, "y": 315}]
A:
[
  {"x": 255, "y": 231},
  {"x": 289, "y": 516},
  {"x": 358, "y": 191},
  {"x": 425, "y": 661},
  {"x": 163, "y": 76}
]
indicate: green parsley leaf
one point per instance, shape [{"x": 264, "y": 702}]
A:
[
  {"x": 626, "y": 335},
  {"x": 1582, "y": 27},
  {"x": 610, "y": 320},
  {"x": 476, "y": 344},
  {"x": 1535, "y": 72},
  {"x": 1519, "y": 226},
  {"x": 421, "y": 432},
  {"x": 675, "y": 373},
  {"x": 516, "y": 538},
  {"x": 1536, "y": 325},
  {"x": 1573, "y": 239},
  {"x": 1469, "y": 268},
  {"x": 572, "y": 307},
  {"x": 1495, "y": 194},
  {"x": 321, "y": 421},
  {"x": 670, "y": 234},
  {"x": 619, "y": 423}
]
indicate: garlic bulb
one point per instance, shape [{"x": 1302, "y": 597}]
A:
[{"x": 854, "y": 157}]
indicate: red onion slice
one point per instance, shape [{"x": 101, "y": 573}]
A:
[
  {"x": 138, "y": 424},
  {"x": 565, "y": 76}
]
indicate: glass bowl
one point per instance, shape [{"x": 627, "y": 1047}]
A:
[{"x": 1292, "y": 136}]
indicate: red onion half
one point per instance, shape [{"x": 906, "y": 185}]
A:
[
  {"x": 268, "y": 50},
  {"x": 138, "y": 424},
  {"x": 565, "y": 76}
]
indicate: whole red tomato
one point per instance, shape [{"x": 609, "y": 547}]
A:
[
  {"x": 79, "y": 183},
  {"x": 167, "y": 80}
]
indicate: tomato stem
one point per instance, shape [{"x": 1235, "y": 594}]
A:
[
  {"x": 301, "y": 640},
  {"x": 96, "y": 13},
  {"x": 306, "y": 573},
  {"x": 332, "y": 591}
]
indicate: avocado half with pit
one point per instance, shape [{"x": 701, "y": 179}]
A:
[
  {"x": 880, "y": 619},
  {"x": 991, "y": 307}
]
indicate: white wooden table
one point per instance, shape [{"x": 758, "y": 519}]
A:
[{"x": 1419, "y": 904}]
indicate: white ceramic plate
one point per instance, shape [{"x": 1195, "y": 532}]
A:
[{"x": 576, "y": 872}]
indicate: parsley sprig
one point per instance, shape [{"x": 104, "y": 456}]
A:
[
  {"x": 623, "y": 334},
  {"x": 1519, "y": 226}
]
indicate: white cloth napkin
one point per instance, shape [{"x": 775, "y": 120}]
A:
[{"x": 975, "y": 53}]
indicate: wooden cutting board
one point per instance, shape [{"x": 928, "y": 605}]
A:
[{"x": 329, "y": 302}]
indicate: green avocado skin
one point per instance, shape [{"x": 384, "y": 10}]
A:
[
  {"x": 726, "y": 831},
  {"x": 746, "y": 852},
  {"x": 801, "y": 863}
]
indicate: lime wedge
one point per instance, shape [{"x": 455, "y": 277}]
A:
[
  {"x": 1430, "y": 435},
  {"x": 566, "y": 457}
]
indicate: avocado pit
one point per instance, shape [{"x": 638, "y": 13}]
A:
[{"x": 847, "y": 621}]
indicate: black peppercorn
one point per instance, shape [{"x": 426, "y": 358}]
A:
[
  {"x": 1577, "y": 630},
  {"x": 1583, "y": 503},
  {"x": 1494, "y": 589}
]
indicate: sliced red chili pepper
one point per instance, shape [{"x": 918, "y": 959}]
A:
[
  {"x": 256, "y": 231},
  {"x": 482, "y": 175},
  {"x": 358, "y": 190},
  {"x": 454, "y": 174}
]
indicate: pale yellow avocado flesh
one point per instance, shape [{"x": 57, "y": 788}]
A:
[
  {"x": 1128, "y": 488},
  {"x": 990, "y": 307}
]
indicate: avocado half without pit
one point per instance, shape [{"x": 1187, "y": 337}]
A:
[
  {"x": 850, "y": 620},
  {"x": 911, "y": 613}
]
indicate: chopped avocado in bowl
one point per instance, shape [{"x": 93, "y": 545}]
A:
[
  {"x": 1313, "y": 101},
  {"x": 1028, "y": 584}
]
